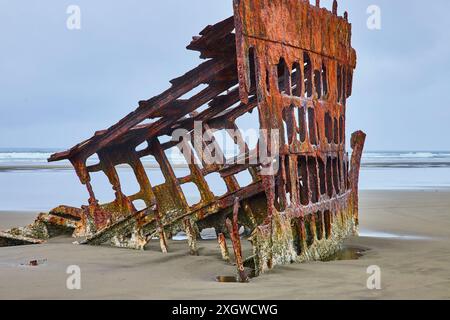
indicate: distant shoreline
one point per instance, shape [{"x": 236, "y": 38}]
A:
[
  {"x": 365, "y": 164},
  {"x": 48, "y": 166},
  {"x": 22, "y": 159}
]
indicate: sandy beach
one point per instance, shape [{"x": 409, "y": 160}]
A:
[{"x": 407, "y": 234}]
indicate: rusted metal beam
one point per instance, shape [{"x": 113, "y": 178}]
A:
[
  {"x": 147, "y": 108},
  {"x": 357, "y": 143},
  {"x": 223, "y": 247},
  {"x": 233, "y": 229},
  {"x": 192, "y": 237}
]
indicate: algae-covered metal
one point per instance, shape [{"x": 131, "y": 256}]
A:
[{"x": 286, "y": 61}]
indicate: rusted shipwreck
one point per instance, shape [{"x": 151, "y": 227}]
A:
[{"x": 286, "y": 60}]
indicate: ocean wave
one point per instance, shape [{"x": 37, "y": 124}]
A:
[
  {"x": 406, "y": 155},
  {"x": 10, "y": 156}
]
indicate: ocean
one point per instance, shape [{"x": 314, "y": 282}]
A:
[{"x": 29, "y": 183}]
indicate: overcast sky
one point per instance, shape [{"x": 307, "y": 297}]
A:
[{"x": 59, "y": 86}]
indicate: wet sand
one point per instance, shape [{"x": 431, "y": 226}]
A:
[{"x": 414, "y": 267}]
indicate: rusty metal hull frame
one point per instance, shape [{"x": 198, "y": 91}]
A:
[{"x": 291, "y": 63}]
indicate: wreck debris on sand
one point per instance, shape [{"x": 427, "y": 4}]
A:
[{"x": 287, "y": 61}]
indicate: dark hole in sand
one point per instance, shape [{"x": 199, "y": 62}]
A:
[
  {"x": 235, "y": 279},
  {"x": 227, "y": 279},
  {"x": 347, "y": 253}
]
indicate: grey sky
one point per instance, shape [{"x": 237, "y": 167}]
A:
[{"x": 58, "y": 86}]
